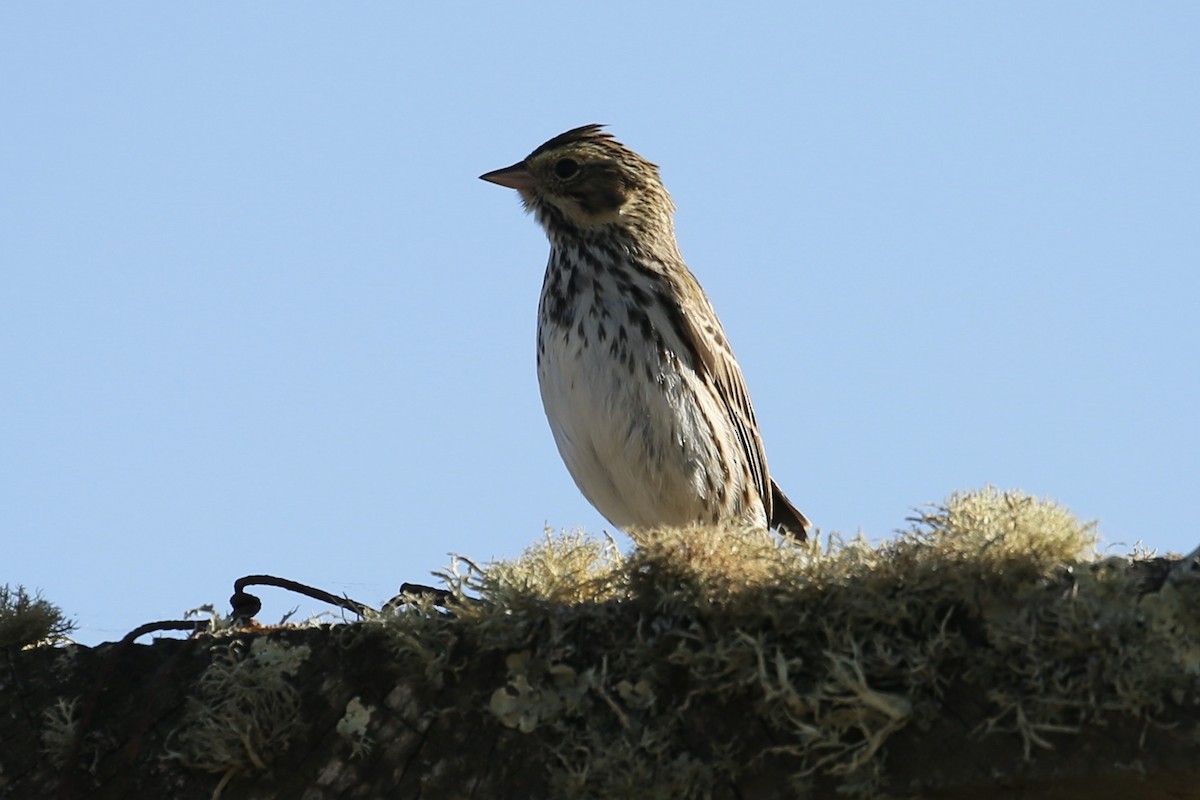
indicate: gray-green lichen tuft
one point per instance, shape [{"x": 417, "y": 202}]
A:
[
  {"x": 245, "y": 710},
  {"x": 26, "y": 620}
]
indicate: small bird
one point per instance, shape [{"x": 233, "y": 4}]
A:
[{"x": 645, "y": 399}]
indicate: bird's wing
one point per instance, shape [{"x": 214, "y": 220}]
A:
[
  {"x": 786, "y": 516},
  {"x": 714, "y": 359}
]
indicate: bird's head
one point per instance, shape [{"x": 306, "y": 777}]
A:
[{"x": 585, "y": 179}]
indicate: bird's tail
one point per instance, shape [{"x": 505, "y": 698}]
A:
[{"x": 785, "y": 516}]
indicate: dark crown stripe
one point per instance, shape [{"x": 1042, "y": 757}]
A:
[{"x": 593, "y": 131}]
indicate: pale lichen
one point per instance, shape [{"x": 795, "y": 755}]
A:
[
  {"x": 60, "y": 729},
  {"x": 354, "y": 726},
  {"x": 245, "y": 710}
]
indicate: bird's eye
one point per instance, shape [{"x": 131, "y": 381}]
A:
[{"x": 566, "y": 167}]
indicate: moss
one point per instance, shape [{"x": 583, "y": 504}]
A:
[{"x": 827, "y": 648}]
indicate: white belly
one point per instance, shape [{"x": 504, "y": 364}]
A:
[{"x": 646, "y": 447}]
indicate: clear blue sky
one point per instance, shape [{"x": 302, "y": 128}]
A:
[{"x": 259, "y": 315}]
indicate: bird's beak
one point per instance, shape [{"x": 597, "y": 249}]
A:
[{"x": 517, "y": 177}]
